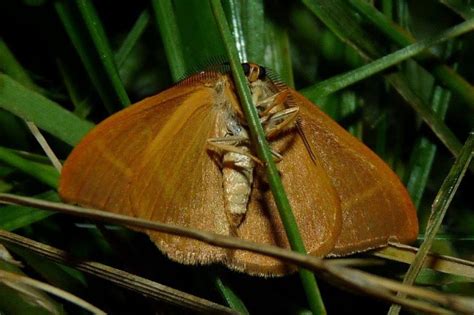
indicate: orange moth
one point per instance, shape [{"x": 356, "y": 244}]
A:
[{"x": 184, "y": 157}]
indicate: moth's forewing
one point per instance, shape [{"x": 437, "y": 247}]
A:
[
  {"x": 150, "y": 161},
  {"x": 178, "y": 182},
  {"x": 375, "y": 205}
]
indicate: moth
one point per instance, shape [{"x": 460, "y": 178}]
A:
[{"x": 184, "y": 157}]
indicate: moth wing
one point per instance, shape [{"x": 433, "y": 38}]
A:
[
  {"x": 150, "y": 161},
  {"x": 375, "y": 205},
  {"x": 313, "y": 200}
]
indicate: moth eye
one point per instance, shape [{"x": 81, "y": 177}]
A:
[
  {"x": 263, "y": 73},
  {"x": 246, "y": 68}
]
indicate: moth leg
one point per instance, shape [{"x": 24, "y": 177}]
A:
[
  {"x": 271, "y": 102},
  {"x": 279, "y": 121},
  {"x": 230, "y": 144}
]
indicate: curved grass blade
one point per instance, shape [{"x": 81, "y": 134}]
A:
[
  {"x": 339, "y": 82},
  {"x": 443, "y": 73},
  {"x": 45, "y": 113},
  {"x": 44, "y": 173},
  {"x": 258, "y": 137}
]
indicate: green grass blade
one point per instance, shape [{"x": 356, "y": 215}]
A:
[
  {"x": 199, "y": 34},
  {"x": 339, "y": 82},
  {"x": 101, "y": 44},
  {"x": 85, "y": 48},
  {"x": 258, "y": 137},
  {"x": 15, "y": 217},
  {"x": 461, "y": 7},
  {"x": 438, "y": 210},
  {"x": 443, "y": 73},
  {"x": 170, "y": 35},
  {"x": 424, "y": 151},
  {"x": 132, "y": 38},
  {"x": 446, "y": 136},
  {"x": 9, "y": 65},
  {"x": 44, "y": 173},
  {"x": 336, "y": 15},
  {"x": 253, "y": 22},
  {"x": 277, "y": 51},
  {"x": 79, "y": 98},
  {"x": 234, "y": 14},
  {"x": 231, "y": 298},
  {"x": 45, "y": 113},
  {"x": 60, "y": 276}
]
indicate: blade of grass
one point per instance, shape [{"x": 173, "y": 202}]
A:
[
  {"x": 440, "y": 263},
  {"x": 339, "y": 82},
  {"x": 258, "y": 137},
  {"x": 438, "y": 210},
  {"x": 60, "y": 276},
  {"x": 445, "y": 134},
  {"x": 45, "y": 113},
  {"x": 234, "y": 12},
  {"x": 199, "y": 34},
  {"x": 44, "y": 173},
  {"x": 277, "y": 51},
  {"x": 253, "y": 22},
  {"x": 337, "y": 16},
  {"x": 463, "y": 8},
  {"x": 443, "y": 73},
  {"x": 232, "y": 299},
  {"x": 132, "y": 38},
  {"x": 11, "y": 66},
  {"x": 101, "y": 44},
  {"x": 424, "y": 151},
  {"x": 15, "y": 217},
  {"x": 81, "y": 98},
  {"x": 170, "y": 35},
  {"x": 85, "y": 48}
]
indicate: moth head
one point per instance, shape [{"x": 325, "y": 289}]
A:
[{"x": 254, "y": 72}]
